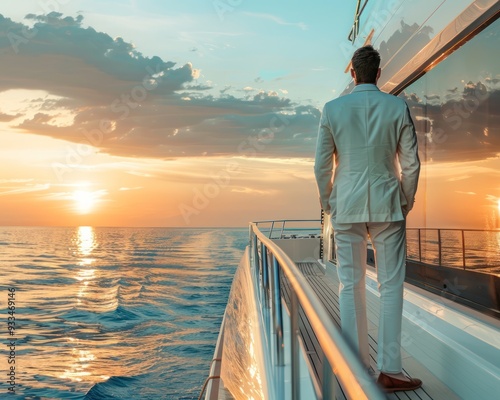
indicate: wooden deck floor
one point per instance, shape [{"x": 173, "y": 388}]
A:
[{"x": 326, "y": 287}]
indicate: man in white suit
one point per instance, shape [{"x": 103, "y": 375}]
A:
[{"x": 367, "y": 133}]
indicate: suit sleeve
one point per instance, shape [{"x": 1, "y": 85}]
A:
[
  {"x": 323, "y": 164},
  {"x": 408, "y": 159}
]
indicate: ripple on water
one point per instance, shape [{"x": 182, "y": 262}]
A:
[{"x": 116, "y": 312}]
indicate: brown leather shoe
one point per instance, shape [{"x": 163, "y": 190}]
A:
[{"x": 395, "y": 385}]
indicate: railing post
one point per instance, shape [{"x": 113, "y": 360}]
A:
[
  {"x": 271, "y": 231},
  {"x": 265, "y": 274},
  {"x": 333, "y": 251},
  {"x": 282, "y": 229},
  {"x": 250, "y": 238},
  {"x": 272, "y": 289},
  {"x": 439, "y": 246},
  {"x": 328, "y": 388},
  {"x": 419, "y": 246},
  {"x": 463, "y": 247},
  {"x": 256, "y": 257},
  {"x": 294, "y": 340},
  {"x": 278, "y": 313}
]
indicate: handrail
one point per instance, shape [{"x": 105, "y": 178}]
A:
[
  {"x": 283, "y": 223},
  {"x": 344, "y": 363},
  {"x": 284, "y": 220},
  {"x": 456, "y": 229},
  {"x": 442, "y": 242}
]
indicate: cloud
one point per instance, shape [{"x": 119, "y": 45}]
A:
[
  {"x": 199, "y": 87},
  {"x": 276, "y": 20},
  {"x": 458, "y": 178},
  {"x": 432, "y": 97},
  {"x": 127, "y": 104},
  {"x": 247, "y": 190},
  {"x": 272, "y": 75},
  {"x": 2, "y": 181},
  {"x": 403, "y": 42},
  {"x": 56, "y": 19},
  {"x": 26, "y": 188},
  {"x": 492, "y": 80},
  {"x": 130, "y": 188},
  {"x": 94, "y": 195},
  {"x": 8, "y": 117},
  {"x": 458, "y": 128},
  {"x": 141, "y": 174}
]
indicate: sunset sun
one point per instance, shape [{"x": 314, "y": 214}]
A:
[{"x": 84, "y": 201}]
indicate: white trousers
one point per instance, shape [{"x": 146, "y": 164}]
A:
[{"x": 389, "y": 243}]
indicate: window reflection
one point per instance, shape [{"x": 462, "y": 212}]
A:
[{"x": 456, "y": 110}]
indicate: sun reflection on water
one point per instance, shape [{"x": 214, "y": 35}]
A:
[
  {"x": 78, "y": 370},
  {"x": 84, "y": 362},
  {"x": 86, "y": 241}
]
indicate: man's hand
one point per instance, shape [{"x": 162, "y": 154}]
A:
[
  {"x": 327, "y": 210},
  {"x": 405, "y": 211}
]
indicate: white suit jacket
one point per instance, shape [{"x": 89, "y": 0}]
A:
[{"x": 367, "y": 133}]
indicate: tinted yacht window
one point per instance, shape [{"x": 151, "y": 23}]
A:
[{"x": 455, "y": 107}]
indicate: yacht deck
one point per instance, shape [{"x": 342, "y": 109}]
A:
[
  {"x": 454, "y": 350},
  {"x": 326, "y": 286}
]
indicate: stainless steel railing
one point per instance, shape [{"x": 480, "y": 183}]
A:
[
  {"x": 431, "y": 249},
  {"x": 280, "y": 225},
  {"x": 269, "y": 262}
]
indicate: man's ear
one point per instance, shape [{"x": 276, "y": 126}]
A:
[
  {"x": 378, "y": 75},
  {"x": 353, "y": 74}
]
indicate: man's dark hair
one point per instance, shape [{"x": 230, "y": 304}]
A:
[{"x": 365, "y": 62}]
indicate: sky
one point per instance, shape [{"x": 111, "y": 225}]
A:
[
  {"x": 164, "y": 113},
  {"x": 205, "y": 112}
]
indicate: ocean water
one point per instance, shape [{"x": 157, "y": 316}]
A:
[
  {"x": 473, "y": 250},
  {"x": 113, "y": 313}
]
